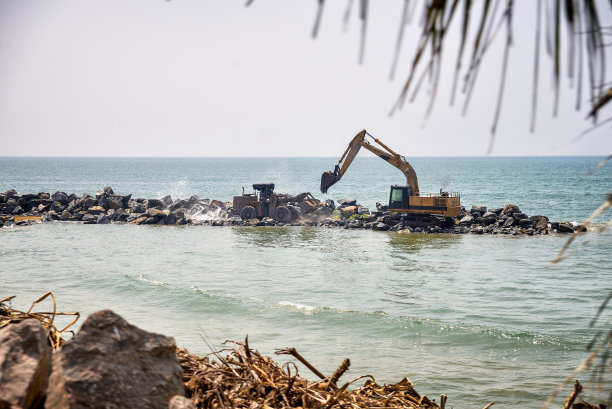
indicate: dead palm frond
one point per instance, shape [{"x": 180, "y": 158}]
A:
[{"x": 582, "y": 47}]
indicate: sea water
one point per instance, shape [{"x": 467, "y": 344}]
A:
[{"x": 478, "y": 318}]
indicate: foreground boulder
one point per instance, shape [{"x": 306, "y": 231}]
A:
[
  {"x": 25, "y": 363},
  {"x": 112, "y": 364}
]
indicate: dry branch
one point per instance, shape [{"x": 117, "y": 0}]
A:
[
  {"x": 10, "y": 315},
  {"x": 246, "y": 379}
]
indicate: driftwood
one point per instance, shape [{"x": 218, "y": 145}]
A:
[
  {"x": 10, "y": 315},
  {"x": 246, "y": 379}
]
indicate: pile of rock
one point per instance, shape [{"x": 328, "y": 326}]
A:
[
  {"x": 105, "y": 207},
  {"x": 108, "y": 207},
  {"x": 478, "y": 220},
  {"x": 510, "y": 220},
  {"x": 108, "y": 363}
]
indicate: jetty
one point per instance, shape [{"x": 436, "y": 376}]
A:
[{"x": 108, "y": 207}]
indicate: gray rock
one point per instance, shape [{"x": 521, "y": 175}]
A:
[
  {"x": 102, "y": 219},
  {"x": 89, "y": 218},
  {"x": 125, "y": 200},
  {"x": 29, "y": 196},
  {"x": 72, "y": 205},
  {"x": 466, "y": 221},
  {"x": 509, "y": 222},
  {"x": 96, "y": 210},
  {"x": 329, "y": 204},
  {"x": 180, "y": 402},
  {"x": 167, "y": 200},
  {"x": 346, "y": 202},
  {"x": 115, "y": 204},
  {"x": 103, "y": 202},
  {"x": 66, "y": 215},
  {"x": 511, "y": 209},
  {"x": 17, "y": 210},
  {"x": 153, "y": 220},
  {"x": 10, "y": 193},
  {"x": 60, "y": 197},
  {"x": 565, "y": 227},
  {"x": 217, "y": 204},
  {"x": 362, "y": 210},
  {"x": 193, "y": 200},
  {"x": 170, "y": 219},
  {"x": 7, "y": 209},
  {"x": 25, "y": 363},
  {"x": 108, "y": 191},
  {"x": 381, "y": 207},
  {"x": 143, "y": 372},
  {"x": 155, "y": 203},
  {"x": 380, "y": 226},
  {"x": 478, "y": 210},
  {"x": 89, "y": 202},
  {"x": 137, "y": 208},
  {"x": 178, "y": 204},
  {"x": 153, "y": 212}
]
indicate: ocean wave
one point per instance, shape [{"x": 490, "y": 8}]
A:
[
  {"x": 387, "y": 325},
  {"x": 145, "y": 279}
]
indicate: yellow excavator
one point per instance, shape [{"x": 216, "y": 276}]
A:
[{"x": 419, "y": 209}]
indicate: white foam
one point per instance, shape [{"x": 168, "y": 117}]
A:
[
  {"x": 145, "y": 279},
  {"x": 208, "y": 214},
  {"x": 306, "y": 309}
]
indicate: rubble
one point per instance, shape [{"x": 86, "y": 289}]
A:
[{"x": 108, "y": 207}]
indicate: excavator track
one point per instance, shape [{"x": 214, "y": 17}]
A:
[{"x": 424, "y": 220}]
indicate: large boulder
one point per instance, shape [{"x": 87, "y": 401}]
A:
[
  {"x": 113, "y": 364},
  {"x": 348, "y": 211},
  {"x": 115, "y": 204},
  {"x": 25, "y": 363},
  {"x": 477, "y": 211},
  {"x": 347, "y": 202},
  {"x": 167, "y": 200},
  {"x": 466, "y": 220},
  {"x": 61, "y": 197},
  {"x": 156, "y": 203},
  {"x": 511, "y": 209}
]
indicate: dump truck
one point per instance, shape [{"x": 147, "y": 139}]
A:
[{"x": 420, "y": 209}]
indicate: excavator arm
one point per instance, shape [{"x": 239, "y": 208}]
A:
[{"x": 328, "y": 179}]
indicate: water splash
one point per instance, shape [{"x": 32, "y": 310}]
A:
[
  {"x": 209, "y": 214},
  {"x": 177, "y": 190}
]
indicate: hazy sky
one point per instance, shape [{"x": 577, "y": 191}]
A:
[{"x": 214, "y": 78}]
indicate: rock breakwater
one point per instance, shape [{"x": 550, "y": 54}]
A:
[{"x": 108, "y": 207}]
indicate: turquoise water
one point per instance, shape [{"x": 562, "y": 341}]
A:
[{"x": 479, "y": 318}]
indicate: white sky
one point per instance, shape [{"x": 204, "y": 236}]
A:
[{"x": 213, "y": 78}]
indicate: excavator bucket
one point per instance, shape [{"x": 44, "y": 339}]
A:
[{"x": 328, "y": 179}]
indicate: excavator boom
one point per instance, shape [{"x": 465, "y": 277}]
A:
[{"x": 328, "y": 179}]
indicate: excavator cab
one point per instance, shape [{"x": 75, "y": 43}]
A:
[{"x": 399, "y": 197}]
